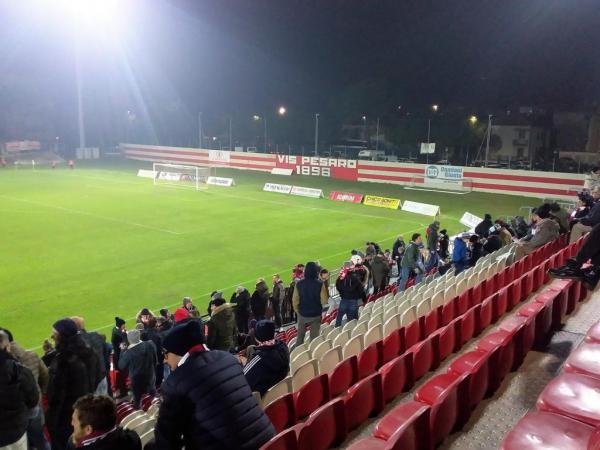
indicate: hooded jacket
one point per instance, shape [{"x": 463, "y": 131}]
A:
[
  {"x": 18, "y": 394},
  {"x": 432, "y": 237},
  {"x": 140, "y": 360},
  {"x": 117, "y": 439},
  {"x": 221, "y": 329},
  {"x": 379, "y": 270},
  {"x": 242, "y": 303},
  {"x": 268, "y": 366},
  {"x": 483, "y": 229},
  {"x": 310, "y": 293},
  {"x": 459, "y": 254},
  {"x": 411, "y": 255},
  {"x": 207, "y": 404},
  {"x": 350, "y": 287},
  {"x": 260, "y": 299}
]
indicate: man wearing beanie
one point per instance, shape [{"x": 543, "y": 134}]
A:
[
  {"x": 74, "y": 372},
  {"x": 207, "y": 403},
  {"x": 270, "y": 360},
  {"x": 139, "y": 361}
]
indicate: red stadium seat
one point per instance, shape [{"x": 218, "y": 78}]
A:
[
  {"x": 558, "y": 304},
  {"x": 412, "y": 333},
  {"x": 462, "y": 303},
  {"x": 543, "y": 320},
  {"x": 476, "y": 294},
  {"x": 584, "y": 360},
  {"x": 364, "y": 399},
  {"x": 449, "y": 311},
  {"x": 575, "y": 292},
  {"x": 410, "y": 417},
  {"x": 313, "y": 394},
  {"x": 476, "y": 364},
  {"x": 509, "y": 274},
  {"x": 593, "y": 334},
  {"x": 446, "y": 394},
  {"x": 432, "y": 321},
  {"x": 527, "y": 284},
  {"x": 501, "y": 305},
  {"x": 488, "y": 287},
  {"x": 515, "y": 293},
  {"x": 286, "y": 440},
  {"x": 446, "y": 341},
  {"x": 369, "y": 360},
  {"x": 124, "y": 410},
  {"x": 572, "y": 395},
  {"x": 483, "y": 315},
  {"x": 325, "y": 428},
  {"x": 499, "y": 280},
  {"x": 501, "y": 346},
  {"x": 543, "y": 430},
  {"x": 524, "y": 338},
  {"x": 393, "y": 345},
  {"x": 423, "y": 357},
  {"x": 282, "y": 412},
  {"x": 343, "y": 376},
  {"x": 397, "y": 375}
]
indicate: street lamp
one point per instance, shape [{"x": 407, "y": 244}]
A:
[
  {"x": 282, "y": 110},
  {"x": 435, "y": 107},
  {"x": 473, "y": 120}
]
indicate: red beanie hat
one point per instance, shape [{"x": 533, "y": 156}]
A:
[{"x": 181, "y": 314}]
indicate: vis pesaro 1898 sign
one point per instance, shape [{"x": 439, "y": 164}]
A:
[{"x": 346, "y": 169}]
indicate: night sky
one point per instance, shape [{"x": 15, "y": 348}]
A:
[{"x": 337, "y": 57}]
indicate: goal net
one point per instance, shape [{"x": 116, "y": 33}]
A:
[{"x": 193, "y": 177}]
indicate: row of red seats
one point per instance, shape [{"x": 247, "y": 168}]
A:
[
  {"x": 568, "y": 409},
  {"x": 126, "y": 408},
  {"x": 386, "y": 364}
]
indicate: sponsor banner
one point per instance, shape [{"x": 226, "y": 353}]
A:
[
  {"x": 279, "y": 171},
  {"x": 346, "y": 197},
  {"x": 306, "y": 192},
  {"x": 427, "y": 147},
  {"x": 421, "y": 208},
  {"x": 222, "y": 156},
  {"x": 470, "y": 220},
  {"x": 146, "y": 173},
  {"x": 281, "y": 188},
  {"x": 382, "y": 202},
  {"x": 342, "y": 169},
  {"x": 22, "y": 146},
  {"x": 442, "y": 174},
  {"x": 219, "y": 181}
]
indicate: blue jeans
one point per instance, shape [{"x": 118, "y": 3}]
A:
[
  {"x": 349, "y": 307},
  {"x": 404, "y": 276},
  {"x": 35, "y": 430}
]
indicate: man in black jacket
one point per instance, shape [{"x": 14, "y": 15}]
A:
[
  {"x": 94, "y": 426},
  {"x": 351, "y": 291},
  {"x": 96, "y": 343},
  {"x": 277, "y": 298},
  {"x": 483, "y": 228},
  {"x": 139, "y": 361},
  {"x": 74, "y": 372},
  {"x": 585, "y": 224},
  {"x": 18, "y": 395},
  {"x": 269, "y": 362},
  {"x": 310, "y": 294},
  {"x": 241, "y": 300},
  {"x": 119, "y": 342},
  {"x": 207, "y": 403}
]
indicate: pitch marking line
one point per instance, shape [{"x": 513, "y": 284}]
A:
[{"x": 95, "y": 216}]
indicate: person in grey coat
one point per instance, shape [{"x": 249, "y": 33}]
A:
[
  {"x": 545, "y": 230},
  {"x": 139, "y": 359}
]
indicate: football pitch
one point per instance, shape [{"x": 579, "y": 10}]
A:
[{"x": 99, "y": 242}]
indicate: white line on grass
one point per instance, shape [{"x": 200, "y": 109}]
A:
[
  {"x": 88, "y": 214},
  {"x": 241, "y": 283}
]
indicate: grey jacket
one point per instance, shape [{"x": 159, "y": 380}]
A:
[
  {"x": 140, "y": 361},
  {"x": 546, "y": 231}
]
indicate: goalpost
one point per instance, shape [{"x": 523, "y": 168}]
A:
[{"x": 194, "y": 177}]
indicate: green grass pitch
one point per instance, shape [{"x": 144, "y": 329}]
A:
[{"x": 100, "y": 242}]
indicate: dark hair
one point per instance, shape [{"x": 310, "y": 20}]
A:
[
  {"x": 218, "y": 301},
  {"x": 415, "y": 236},
  {"x": 474, "y": 238},
  {"x": 98, "y": 411},
  {"x": 8, "y": 334},
  {"x": 444, "y": 231},
  {"x": 543, "y": 211},
  {"x": 554, "y": 207},
  {"x": 324, "y": 271}
]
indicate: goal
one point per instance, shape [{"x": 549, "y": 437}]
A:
[{"x": 193, "y": 177}]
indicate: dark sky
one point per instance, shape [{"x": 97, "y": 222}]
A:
[{"x": 312, "y": 55}]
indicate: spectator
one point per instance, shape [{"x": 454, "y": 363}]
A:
[
  {"x": 484, "y": 226},
  {"x": 95, "y": 426},
  {"x": 241, "y": 300},
  {"x": 298, "y": 272},
  {"x": 308, "y": 298},
  {"x": 269, "y": 362},
  {"x": 475, "y": 250},
  {"x": 35, "y": 426},
  {"x": 361, "y": 269},
  {"x": 546, "y": 230},
  {"x": 460, "y": 258},
  {"x": 432, "y": 246},
  {"x": 139, "y": 360},
  {"x": 259, "y": 300},
  {"x": 398, "y": 251},
  {"x": 152, "y": 333},
  {"x": 409, "y": 260},
  {"x": 188, "y": 304},
  {"x": 444, "y": 244},
  {"x": 592, "y": 180},
  {"x": 493, "y": 242},
  {"x": 573, "y": 270},
  {"x": 144, "y": 317},
  {"x": 73, "y": 373},
  {"x": 277, "y": 298},
  {"x": 380, "y": 270},
  {"x": 18, "y": 396},
  {"x": 561, "y": 216},
  {"x": 96, "y": 343},
  {"x": 49, "y": 352},
  {"x": 333, "y": 302},
  {"x": 503, "y": 232},
  {"x": 119, "y": 342},
  {"x": 584, "y": 203},
  {"x": 181, "y": 314},
  {"x": 351, "y": 291},
  {"x": 585, "y": 224},
  {"x": 207, "y": 403},
  {"x": 222, "y": 331},
  {"x": 167, "y": 320}
]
